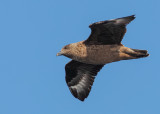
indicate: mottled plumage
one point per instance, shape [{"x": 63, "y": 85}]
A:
[{"x": 88, "y": 57}]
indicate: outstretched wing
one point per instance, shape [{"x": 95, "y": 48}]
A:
[
  {"x": 80, "y": 78},
  {"x": 109, "y": 31}
]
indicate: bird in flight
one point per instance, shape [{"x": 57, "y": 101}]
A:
[{"x": 89, "y": 56}]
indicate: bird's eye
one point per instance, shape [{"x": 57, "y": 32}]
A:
[{"x": 66, "y": 47}]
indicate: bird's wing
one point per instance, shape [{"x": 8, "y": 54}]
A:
[
  {"x": 109, "y": 31},
  {"x": 80, "y": 78}
]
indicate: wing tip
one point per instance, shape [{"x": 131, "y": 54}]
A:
[
  {"x": 132, "y": 17},
  {"x": 128, "y": 19},
  {"x": 81, "y": 98},
  {"x": 125, "y": 20},
  {"x": 76, "y": 95}
]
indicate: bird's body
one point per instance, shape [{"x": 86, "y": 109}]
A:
[
  {"x": 99, "y": 54},
  {"x": 88, "y": 57}
]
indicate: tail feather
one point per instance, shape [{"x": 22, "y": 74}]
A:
[{"x": 139, "y": 53}]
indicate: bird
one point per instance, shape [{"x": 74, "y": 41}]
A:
[{"x": 103, "y": 46}]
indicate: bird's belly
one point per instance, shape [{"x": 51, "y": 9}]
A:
[
  {"x": 102, "y": 55},
  {"x": 103, "y": 58}
]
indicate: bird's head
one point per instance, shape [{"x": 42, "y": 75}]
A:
[{"x": 66, "y": 51}]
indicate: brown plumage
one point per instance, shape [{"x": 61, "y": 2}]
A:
[{"x": 88, "y": 57}]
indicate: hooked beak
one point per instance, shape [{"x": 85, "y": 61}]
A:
[{"x": 59, "y": 54}]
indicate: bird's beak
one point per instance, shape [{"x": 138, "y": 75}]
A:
[{"x": 59, "y": 54}]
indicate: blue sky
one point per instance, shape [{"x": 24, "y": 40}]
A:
[{"x": 32, "y": 78}]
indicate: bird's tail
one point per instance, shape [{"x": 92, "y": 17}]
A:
[{"x": 138, "y": 53}]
